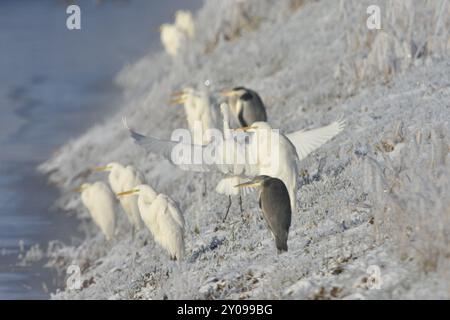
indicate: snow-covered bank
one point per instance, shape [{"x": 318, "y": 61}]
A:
[{"x": 379, "y": 198}]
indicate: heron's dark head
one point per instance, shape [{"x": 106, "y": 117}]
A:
[{"x": 236, "y": 92}]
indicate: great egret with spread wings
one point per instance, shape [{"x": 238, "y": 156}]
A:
[{"x": 265, "y": 152}]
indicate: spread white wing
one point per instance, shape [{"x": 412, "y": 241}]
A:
[{"x": 306, "y": 142}]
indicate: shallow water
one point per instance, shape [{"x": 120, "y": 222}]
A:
[{"x": 55, "y": 83}]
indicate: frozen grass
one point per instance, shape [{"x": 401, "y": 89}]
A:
[
  {"x": 377, "y": 195},
  {"x": 412, "y": 33}
]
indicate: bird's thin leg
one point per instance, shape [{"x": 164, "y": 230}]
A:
[
  {"x": 205, "y": 187},
  {"x": 240, "y": 203},
  {"x": 228, "y": 209},
  {"x": 133, "y": 231}
]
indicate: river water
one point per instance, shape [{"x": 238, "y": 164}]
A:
[{"x": 54, "y": 84}]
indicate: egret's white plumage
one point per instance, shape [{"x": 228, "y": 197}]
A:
[
  {"x": 267, "y": 152},
  {"x": 285, "y": 151},
  {"x": 201, "y": 113},
  {"x": 306, "y": 141},
  {"x": 99, "y": 200},
  {"x": 121, "y": 179},
  {"x": 162, "y": 217},
  {"x": 185, "y": 22},
  {"x": 172, "y": 38},
  {"x": 274, "y": 156}
]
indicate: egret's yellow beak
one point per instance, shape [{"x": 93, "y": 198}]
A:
[
  {"x": 227, "y": 93},
  {"x": 79, "y": 189},
  {"x": 250, "y": 184},
  {"x": 245, "y": 129},
  {"x": 127, "y": 193},
  {"x": 104, "y": 168},
  {"x": 177, "y": 94},
  {"x": 177, "y": 98}
]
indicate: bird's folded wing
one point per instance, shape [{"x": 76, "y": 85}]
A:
[
  {"x": 306, "y": 142},
  {"x": 175, "y": 211}
]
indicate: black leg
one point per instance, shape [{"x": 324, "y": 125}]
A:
[
  {"x": 240, "y": 203},
  {"x": 228, "y": 209},
  {"x": 204, "y": 186}
]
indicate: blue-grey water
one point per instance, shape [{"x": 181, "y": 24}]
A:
[{"x": 54, "y": 84}]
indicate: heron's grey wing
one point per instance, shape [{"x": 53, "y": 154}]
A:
[
  {"x": 306, "y": 142},
  {"x": 275, "y": 204}
]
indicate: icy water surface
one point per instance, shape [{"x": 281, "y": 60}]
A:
[{"x": 55, "y": 83}]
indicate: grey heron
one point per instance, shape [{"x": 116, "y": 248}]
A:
[
  {"x": 276, "y": 208},
  {"x": 246, "y": 105}
]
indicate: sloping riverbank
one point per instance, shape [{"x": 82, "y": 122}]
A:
[{"x": 372, "y": 199}]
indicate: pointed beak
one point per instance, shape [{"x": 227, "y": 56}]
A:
[
  {"x": 227, "y": 93},
  {"x": 250, "y": 184},
  {"x": 127, "y": 193},
  {"x": 177, "y": 98},
  {"x": 245, "y": 129},
  {"x": 176, "y": 94},
  {"x": 79, "y": 189},
  {"x": 100, "y": 169}
]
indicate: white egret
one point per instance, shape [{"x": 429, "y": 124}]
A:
[
  {"x": 99, "y": 201},
  {"x": 277, "y": 155},
  {"x": 162, "y": 217},
  {"x": 201, "y": 113},
  {"x": 185, "y": 22},
  {"x": 267, "y": 152},
  {"x": 246, "y": 105},
  {"x": 172, "y": 38},
  {"x": 275, "y": 205},
  {"x": 274, "y": 156},
  {"x": 123, "y": 178}
]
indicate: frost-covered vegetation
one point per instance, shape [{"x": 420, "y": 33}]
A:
[{"x": 377, "y": 195}]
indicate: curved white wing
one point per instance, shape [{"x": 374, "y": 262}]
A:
[{"x": 306, "y": 142}]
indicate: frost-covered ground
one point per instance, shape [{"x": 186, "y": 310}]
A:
[{"x": 375, "y": 198}]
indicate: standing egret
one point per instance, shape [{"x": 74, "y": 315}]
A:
[
  {"x": 246, "y": 105},
  {"x": 185, "y": 22},
  {"x": 99, "y": 200},
  {"x": 162, "y": 217},
  {"x": 201, "y": 114},
  {"x": 172, "y": 38},
  {"x": 275, "y": 205},
  {"x": 123, "y": 178}
]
